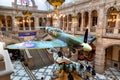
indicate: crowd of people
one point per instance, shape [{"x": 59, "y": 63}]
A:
[
  {"x": 85, "y": 70},
  {"x": 15, "y": 55}
]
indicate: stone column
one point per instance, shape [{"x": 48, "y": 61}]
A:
[
  {"x": 15, "y": 1},
  {"x": 82, "y": 21},
  {"x": 105, "y": 23},
  {"x": 33, "y": 2},
  {"x": 100, "y": 59},
  {"x": 14, "y": 24},
  {"x": 58, "y": 23},
  {"x": 36, "y": 22},
  {"x": 90, "y": 21},
  {"x": 6, "y": 24},
  {"x": 74, "y": 23},
  {"x": 67, "y": 23},
  {"x": 29, "y": 22},
  {"x": 101, "y": 21},
  {"x": 48, "y": 21},
  {"x": 23, "y": 23},
  {"x": 42, "y": 21},
  {"x": 63, "y": 23},
  {"x": 117, "y": 24}
]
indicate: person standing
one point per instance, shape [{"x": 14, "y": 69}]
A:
[
  {"x": 11, "y": 55},
  {"x": 93, "y": 73},
  {"x": 70, "y": 76}
]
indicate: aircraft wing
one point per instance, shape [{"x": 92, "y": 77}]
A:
[
  {"x": 38, "y": 44},
  {"x": 90, "y": 39}
]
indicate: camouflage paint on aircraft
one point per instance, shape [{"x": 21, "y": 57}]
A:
[{"x": 61, "y": 39}]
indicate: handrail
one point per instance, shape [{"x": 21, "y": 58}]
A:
[
  {"x": 27, "y": 53},
  {"x": 8, "y": 65}
]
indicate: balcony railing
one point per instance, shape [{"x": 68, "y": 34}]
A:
[
  {"x": 93, "y": 29},
  {"x": 119, "y": 30},
  {"x": 78, "y": 28},
  {"x": 84, "y": 28},
  {"x": 109, "y": 30}
]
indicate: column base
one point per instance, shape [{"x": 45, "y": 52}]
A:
[{"x": 99, "y": 68}]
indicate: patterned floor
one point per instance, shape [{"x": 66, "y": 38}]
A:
[
  {"x": 112, "y": 72},
  {"x": 20, "y": 73},
  {"x": 46, "y": 72}
]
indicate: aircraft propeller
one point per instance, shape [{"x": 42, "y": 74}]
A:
[
  {"x": 86, "y": 36},
  {"x": 86, "y": 46}
]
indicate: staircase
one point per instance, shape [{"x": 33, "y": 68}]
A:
[{"x": 40, "y": 58}]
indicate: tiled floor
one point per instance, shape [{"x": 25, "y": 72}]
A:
[
  {"x": 112, "y": 72},
  {"x": 46, "y": 72},
  {"x": 19, "y": 72}
]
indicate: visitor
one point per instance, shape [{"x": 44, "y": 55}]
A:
[
  {"x": 22, "y": 58},
  {"x": 88, "y": 67},
  {"x": 70, "y": 76},
  {"x": 11, "y": 55},
  {"x": 87, "y": 74},
  {"x": 42, "y": 78},
  {"x": 81, "y": 67},
  {"x": 60, "y": 53},
  {"x": 74, "y": 67},
  {"x": 93, "y": 73},
  {"x": 15, "y": 56}
]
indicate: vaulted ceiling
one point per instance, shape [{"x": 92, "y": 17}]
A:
[{"x": 42, "y": 4}]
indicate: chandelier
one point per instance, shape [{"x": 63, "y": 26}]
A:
[
  {"x": 27, "y": 13},
  {"x": 56, "y": 4}
]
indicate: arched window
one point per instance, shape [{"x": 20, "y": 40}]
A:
[
  {"x": 2, "y": 23},
  {"x": 19, "y": 22},
  {"x": 40, "y": 21},
  {"x": 9, "y": 22},
  {"x": 51, "y": 21},
  {"x": 111, "y": 16},
  {"x": 26, "y": 23},
  {"x": 70, "y": 22},
  {"x": 32, "y": 23},
  {"x": 61, "y": 22},
  {"x": 111, "y": 19},
  {"x": 65, "y": 22},
  {"x": 79, "y": 19},
  {"x": 94, "y": 17},
  {"x": 86, "y": 19}
]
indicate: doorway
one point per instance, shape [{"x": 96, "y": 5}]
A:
[{"x": 112, "y": 57}]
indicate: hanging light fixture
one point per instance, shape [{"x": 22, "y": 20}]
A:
[
  {"x": 56, "y": 4},
  {"x": 113, "y": 10},
  {"x": 27, "y": 13}
]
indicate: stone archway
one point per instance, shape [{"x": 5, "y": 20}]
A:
[
  {"x": 86, "y": 20},
  {"x": 100, "y": 57},
  {"x": 112, "y": 56}
]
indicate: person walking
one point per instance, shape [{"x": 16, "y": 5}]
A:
[
  {"x": 11, "y": 55},
  {"x": 93, "y": 73}
]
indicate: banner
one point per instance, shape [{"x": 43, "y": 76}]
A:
[
  {"x": 22, "y": 34},
  {"x": 26, "y": 2}
]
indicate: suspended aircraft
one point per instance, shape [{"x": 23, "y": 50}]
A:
[{"x": 60, "y": 39}]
